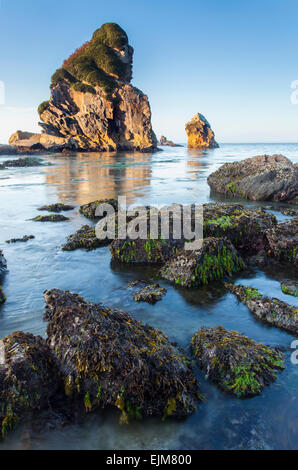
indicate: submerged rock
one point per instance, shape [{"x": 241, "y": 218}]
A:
[
  {"x": 290, "y": 287},
  {"x": 58, "y": 207},
  {"x": 24, "y": 239},
  {"x": 244, "y": 227},
  {"x": 89, "y": 210},
  {"x": 289, "y": 211},
  {"x": 93, "y": 106},
  {"x": 21, "y": 163},
  {"x": 2, "y": 296},
  {"x": 167, "y": 143},
  {"x": 265, "y": 177},
  {"x": 51, "y": 218},
  {"x": 235, "y": 363},
  {"x": 28, "y": 378},
  {"x": 200, "y": 134},
  {"x": 150, "y": 293},
  {"x": 216, "y": 259},
  {"x": 84, "y": 238},
  {"x": 8, "y": 150},
  {"x": 109, "y": 359},
  {"x": 3, "y": 262},
  {"x": 283, "y": 241},
  {"x": 273, "y": 311}
]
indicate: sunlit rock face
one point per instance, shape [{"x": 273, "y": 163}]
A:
[
  {"x": 199, "y": 132},
  {"x": 93, "y": 106}
]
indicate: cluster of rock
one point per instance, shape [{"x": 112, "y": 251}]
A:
[
  {"x": 199, "y": 132},
  {"x": 93, "y": 106},
  {"x": 164, "y": 142},
  {"x": 265, "y": 177}
]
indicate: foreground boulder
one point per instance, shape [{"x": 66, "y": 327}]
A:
[
  {"x": 235, "y": 363},
  {"x": 109, "y": 359},
  {"x": 28, "y": 378},
  {"x": 3, "y": 262},
  {"x": 199, "y": 132},
  {"x": 85, "y": 238},
  {"x": 93, "y": 106},
  {"x": 89, "y": 210},
  {"x": 217, "y": 258},
  {"x": 265, "y": 177},
  {"x": 283, "y": 241},
  {"x": 273, "y": 311},
  {"x": 244, "y": 227}
]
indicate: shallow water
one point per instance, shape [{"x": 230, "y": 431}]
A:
[{"x": 174, "y": 175}]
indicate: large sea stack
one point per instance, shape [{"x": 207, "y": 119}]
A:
[
  {"x": 93, "y": 106},
  {"x": 199, "y": 132}
]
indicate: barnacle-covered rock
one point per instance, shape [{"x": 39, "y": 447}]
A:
[
  {"x": 28, "y": 378},
  {"x": 273, "y": 311},
  {"x": 283, "y": 241},
  {"x": 110, "y": 359},
  {"x": 290, "y": 287},
  {"x": 216, "y": 259},
  {"x": 84, "y": 238},
  {"x": 235, "y": 363},
  {"x": 244, "y": 227},
  {"x": 150, "y": 293},
  {"x": 265, "y": 177},
  {"x": 51, "y": 218},
  {"x": 2, "y": 296},
  {"x": 3, "y": 262},
  {"x": 58, "y": 207},
  {"x": 89, "y": 210}
]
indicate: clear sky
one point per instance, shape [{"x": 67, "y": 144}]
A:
[{"x": 232, "y": 60}]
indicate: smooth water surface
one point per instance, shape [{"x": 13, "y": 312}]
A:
[{"x": 174, "y": 175}]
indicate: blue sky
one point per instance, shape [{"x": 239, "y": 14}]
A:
[{"x": 233, "y": 61}]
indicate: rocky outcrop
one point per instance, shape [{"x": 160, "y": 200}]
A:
[
  {"x": 8, "y": 150},
  {"x": 20, "y": 163},
  {"x": 237, "y": 364},
  {"x": 266, "y": 177},
  {"x": 217, "y": 258},
  {"x": 20, "y": 135},
  {"x": 150, "y": 293},
  {"x": 289, "y": 287},
  {"x": 283, "y": 241},
  {"x": 24, "y": 239},
  {"x": 3, "y": 262},
  {"x": 89, "y": 210},
  {"x": 84, "y": 238},
  {"x": 58, "y": 207},
  {"x": 199, "y": 132},
  {"x": 93, "y": 106},
  {"x": 28, "y": 378},
  {"x": 2, "y": 296},
  {"x": 109, "y": 359},
  {"x": 243, "y": 226},
  {"x": 269, "y": 310},
  {"x": 51, "y": 218},
  {"x": 167, "y": 143}
]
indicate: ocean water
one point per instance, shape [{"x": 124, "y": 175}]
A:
[{"x": 268, "y": 421}]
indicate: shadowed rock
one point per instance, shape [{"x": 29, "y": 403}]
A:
[
  {"x": 283, "y": 241},
  {"x": 89, "y": 210},
  {"x": 109, "y": 359},
  {"x": 235, "y": 363},
  {"x": 21, "y": 163},
  {"x": 265, "y": 177},
  {"x": 84, "y": 238},
  {"x": 290, "y": 287},
  {"x": 3, "y": 262},
  {"x": 273, "y": 311},
  {"x": 24, "y": 239},
  {"x": 150, "y": 293},
  {"x": 58, "y": 207},
  {"x": 2, "y": 296},
  {"x": 51, "y": 218}
]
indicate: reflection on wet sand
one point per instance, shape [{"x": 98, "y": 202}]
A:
[{"x": 85, "y": 177}]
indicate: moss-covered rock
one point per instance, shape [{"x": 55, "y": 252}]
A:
[
  {"x": 51, "y": 218},
  {"x": 273, "y": 311},
  {"x": 2, "y": 296},
  {"x": 85, "y": 238},
  {"x": 265, "y": 177},
  {"x": 21, "y": 163},
  {"x": 244, "y": 227},
  {"x": 89, "y": 210},
  {"x": 290, "y": 287},
  {"x": 24, "y": 239},
  {"x": 217, "y": 258},
  {"x": 28, "y": 378},
  {"x": 289, "y": 211},
  {"x": 283, "y": 241},
  {"x": 58, "y": 207},
  {"x": 150, "y": 293},
  {"x": 110, "y": 359},
  {"x": 235, "y": 363}
]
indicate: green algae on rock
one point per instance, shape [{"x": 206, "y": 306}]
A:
[
  {"x": 217, "y": 258},
  {"x": 273, "y": 311},
  {"x": 290, "y": 287},
  {"x": 236, "y": 363},
  {"x": 21, "y": 163},
  {"x": 28, "y": 378},
  {"x": 150, "y": 293},
  {"x": 283, "y": 241},
  {"x": 109, "y": 359},
  {"x": 58, "y": 207},
  {"x": 89, "y": 210},
  {"x": 84, "y": 238},
  {"x": 51, "y": 218},
  {"x": 2, "y": 296},
  {"x": 243, "y": 226}
]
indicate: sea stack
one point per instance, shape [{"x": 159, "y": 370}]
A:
[
  {"x": 93, "y": 106},
  {"x": 199, "y": 132}
]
